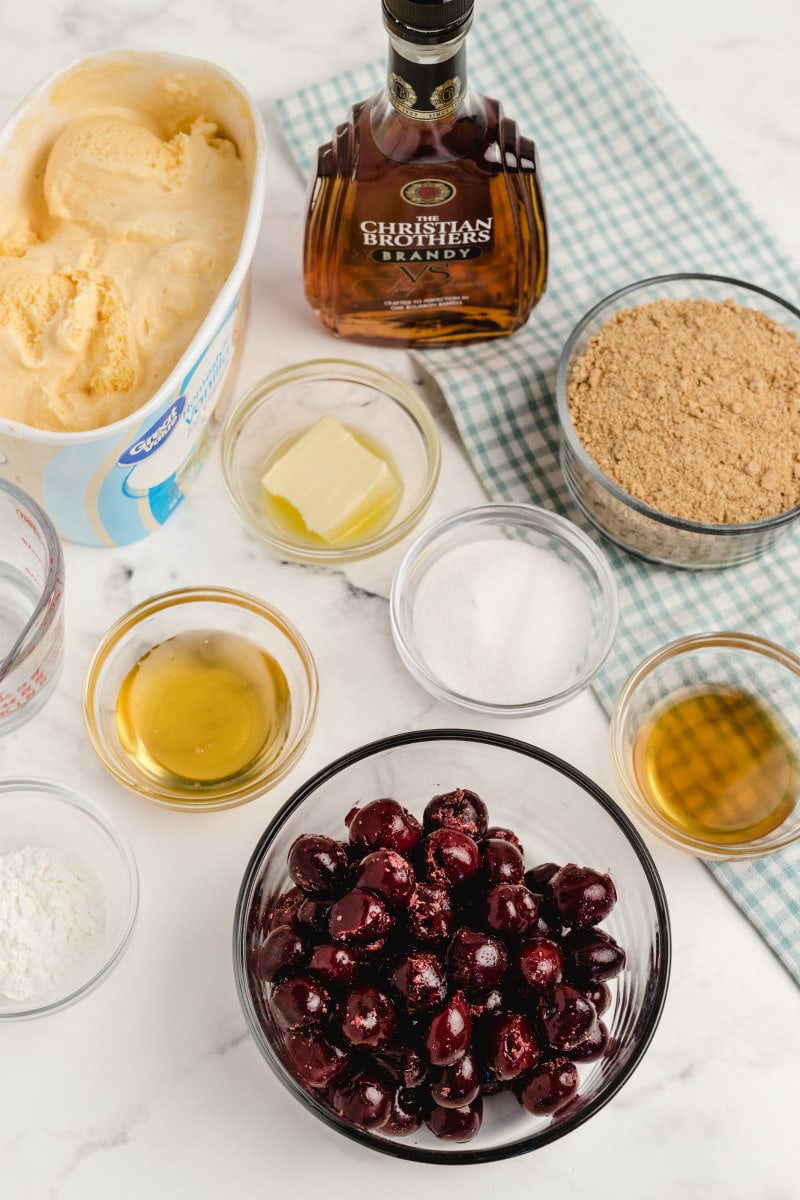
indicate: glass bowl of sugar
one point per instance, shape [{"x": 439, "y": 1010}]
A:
[{"x": 504, "y": 609}]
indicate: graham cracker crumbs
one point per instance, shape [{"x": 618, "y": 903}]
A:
[{"x": 693, "y": 408}]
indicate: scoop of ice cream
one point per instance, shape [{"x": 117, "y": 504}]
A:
[
  {"x": 107, "y": 275},
  {"x": 72, "y": 334},
  {"x": 118, "y": 175}
]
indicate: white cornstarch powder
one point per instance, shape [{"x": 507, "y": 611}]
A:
[
  {"x": 502, "y": 621},
  {"x": 51, "y": 915}
]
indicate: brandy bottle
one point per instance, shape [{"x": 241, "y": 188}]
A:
[{"x": 425, "y": 223}]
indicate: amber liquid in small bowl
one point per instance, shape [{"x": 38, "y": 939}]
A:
[
  {"x": 202, "y": 708},
  {"x": 717, "y": 764}
]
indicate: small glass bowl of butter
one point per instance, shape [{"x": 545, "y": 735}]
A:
[{"x": 329, "y": 460}]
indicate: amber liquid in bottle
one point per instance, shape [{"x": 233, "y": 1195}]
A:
[{"x": 425, "y": 221}]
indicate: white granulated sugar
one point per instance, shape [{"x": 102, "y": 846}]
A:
[
  {"x": 51, "y": 915},
  {"x": 502, "y": 621}
]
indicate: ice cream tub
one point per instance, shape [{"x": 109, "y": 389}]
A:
[{"x": 118, "y": 482}]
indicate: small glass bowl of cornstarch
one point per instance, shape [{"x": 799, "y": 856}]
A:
[
  {"x": 69, "y": 895},
  {"x": 504, "y": 609}
]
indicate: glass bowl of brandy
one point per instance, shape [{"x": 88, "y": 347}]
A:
[
  {"x": 705, "y": 743},
  {"x": 330, "y": 461},
  {"x": 200, "y": 698},
  {"x": 358, "y": 1027}
]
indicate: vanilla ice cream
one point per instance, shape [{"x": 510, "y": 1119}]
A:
[{"x": 113, "y": 257}]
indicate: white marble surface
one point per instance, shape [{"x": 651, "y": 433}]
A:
[{"x": 151, "y": 1086}]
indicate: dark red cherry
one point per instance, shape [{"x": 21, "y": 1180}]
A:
[
  {"x": 419, "y": 978},
  {"x": 509, "y": 908},
  {"x": 568, "y": 1017},
  {"x": 537, "y": 878},
  {"x": 334, "y": 965},
  {"x": 316, "y": 1061},
  {"x": 548, "y": 922},
  {"x": 364, "y": 1099},
  {"x": 505, "y": 835},
  {"x": 404, "y": 1062},
  {"x": 314, "y": 915},
  {"x": 359, "y": 917},
  {"x": 592, "y": 955},
  {"x": 476, "y": 961},
  {"x": 410, "y": 1107},
  {"x": 461, "y": 810},
  {"x": 600, "y": 996},
  {"x": 318, "y": 865},
  {"x": 541, "y": 963},
  {"x": 370, "y": 952},
  {"x": 283, "y": 953},
  {"x": 457, "y": 1085},
  {"x": 449, "y": 1032},
  {"x": 430, "y": 914},
  {"x": 456, "y": 1124},
  {"x": 451, "y": 858},
  {"x": 369, "y": 1016},
  {"x": 490, "y": 1084},
  {"x": 284, "y": 909},
  {"x": 300, "y": 1002},
  {"x": 502, "y": 861},
  {"x": 593, "y": 1045},
  {"x": 389, "y": 874},
  {"x": 511, "y": 1045},
  {"x": 581, "y": 896},
  {"x": 551, "y": 1083},
  {"x": 383, "y": 823},
  {"x": 481, "y": 1007}
]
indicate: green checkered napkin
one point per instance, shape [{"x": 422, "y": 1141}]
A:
[{"x": 630, "y": 193}]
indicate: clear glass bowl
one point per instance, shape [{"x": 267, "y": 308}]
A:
[
  {"x": 187, "y": 610},
  {"x": 31, "y": 607},
  {"x": 538, "y": 528},
  {"x": 381, "y": 409},
  {"x": 561, "y": 816},
  {"x": 720, "y": 661},
  {"x": 637, "y": 528},
  {"x": 43, "y": 813}
]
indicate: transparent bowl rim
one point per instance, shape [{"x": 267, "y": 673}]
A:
[
  {"x": 48, "y": 605},
  {"x": 656, "y": 998},
  {"x": 260, "y": 784},
  {"x": 393, "y": 388},
  {"x": 528, "y": 516},
  {"x": 63, "y": 793},
  {"x": 722, "y": 639},
  {"x": 576, "y": 447}
]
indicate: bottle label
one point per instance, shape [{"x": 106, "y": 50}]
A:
[
  {"x": 427, "y": 237},
  {"x": 426, "y": 91}
]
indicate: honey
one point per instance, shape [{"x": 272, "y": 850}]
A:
[
  {"x": 203, "y": 708},
  {"x": 717, "y": 764}
]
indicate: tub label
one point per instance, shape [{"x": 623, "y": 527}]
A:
[{"x": 152, "y": 438}]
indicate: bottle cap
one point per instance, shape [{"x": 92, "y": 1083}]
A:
[{"x": 427, "y": 21}]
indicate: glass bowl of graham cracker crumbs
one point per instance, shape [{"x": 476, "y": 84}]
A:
[{"x": 679, "y": 414}]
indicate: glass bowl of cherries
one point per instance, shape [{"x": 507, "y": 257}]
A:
[{"x": 451, "y": 946}]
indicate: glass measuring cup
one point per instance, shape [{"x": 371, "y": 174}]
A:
[{"x": 31, "y": 607}]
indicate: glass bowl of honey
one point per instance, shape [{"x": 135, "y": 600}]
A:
[
  {"x": 200, "y": 698},
  {"x": 705, "y": 738},
  {"x": 330, "y": 461}
]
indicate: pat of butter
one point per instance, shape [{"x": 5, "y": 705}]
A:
[{"x": 336, "y": 485}]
